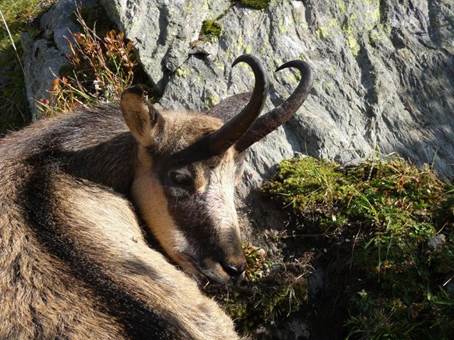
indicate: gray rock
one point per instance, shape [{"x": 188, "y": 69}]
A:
[
  {"x": 41, "y": 65},
  {"x": 162, "y": 30}
]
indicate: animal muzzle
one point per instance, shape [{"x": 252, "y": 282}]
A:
[
  {"x": 228, "y": 271},
  {"x": 232, "y": 260},
  {"x": 235, "y": 267},
  {"x": 227, "y": 265}
]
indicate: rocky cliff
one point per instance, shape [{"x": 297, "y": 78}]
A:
[{"x": 384, "y": 69}]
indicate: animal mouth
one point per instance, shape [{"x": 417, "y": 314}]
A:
[{"x": 200, "y": 272}]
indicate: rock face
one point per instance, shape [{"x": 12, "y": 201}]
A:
[{"x": 384, "y": 71}]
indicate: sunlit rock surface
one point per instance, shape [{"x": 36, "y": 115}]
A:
[{"x": 384, "y": 71}]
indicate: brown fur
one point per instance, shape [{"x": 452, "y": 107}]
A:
[{"x": 74, "y": 262}]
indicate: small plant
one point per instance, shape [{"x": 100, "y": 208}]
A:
[
  {"x": 257, "y": 264},
  {"x": 211, "y": 29},
  {"x": 273, "y": 290},
  {"x": 99, "y": 69}
]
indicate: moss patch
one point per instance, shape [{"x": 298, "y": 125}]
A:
[
  {"x": 275, "y": 288},
  {"x": 211, "y": 29},
  {"x": 351, "y": 40},
  {"x": 18, "y": 15},
  {"x": 388, "y": 234}
]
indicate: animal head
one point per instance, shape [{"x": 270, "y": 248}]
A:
[{"x": 187, "y": 168}]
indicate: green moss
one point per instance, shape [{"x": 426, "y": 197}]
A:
[
  {"x": 374, "y": 10},
  {"x": 283, "y": 26},
  {"x": 211, "y": 29},
  {"x": 350, "y": 37},
  {"x": 212, "y": 100},
  {"x": 266, "y": 305},
  {"x": 342, "y": 7},
  {"x": 255, "y": 4},
  {"x": 396, "y": 285},
  {"x": 376, "y": 36},
  {"x": 18, "y": 14},
  {"x": 182, "y": 72}
]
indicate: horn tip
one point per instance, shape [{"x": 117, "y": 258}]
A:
[
  {"x": 248, "y": 58},
  {"x": 299, "y": 64}
]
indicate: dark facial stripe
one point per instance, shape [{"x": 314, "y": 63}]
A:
[
  {"x": 138, "y": 320},
  {"x": 191, "y": 215},
  {"x": 195, "y": 152}
]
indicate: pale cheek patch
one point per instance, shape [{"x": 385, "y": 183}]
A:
[
  {"x": 149, "y": 196},
  {"x": 220, "y": 196}
]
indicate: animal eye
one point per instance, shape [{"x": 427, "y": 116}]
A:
[{"x": 180, "y": 179}]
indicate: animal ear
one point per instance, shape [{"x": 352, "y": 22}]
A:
[{"x": 140, "y": 116}]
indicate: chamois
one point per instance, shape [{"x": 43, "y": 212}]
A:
[{"x": 76, "y": 190}]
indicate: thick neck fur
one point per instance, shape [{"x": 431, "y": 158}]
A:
[
  {"x": 94, "y": 145},
  {"x": 110, "y": 163}
]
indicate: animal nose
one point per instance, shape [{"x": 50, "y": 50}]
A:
[{"x": 234, "y": 269}]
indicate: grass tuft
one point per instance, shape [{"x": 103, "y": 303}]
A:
[{"x": 274, "y": 288}]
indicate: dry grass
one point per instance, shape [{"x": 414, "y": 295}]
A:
[{"x": 100, "y": 68}]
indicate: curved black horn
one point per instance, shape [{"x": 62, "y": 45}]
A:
[
  {"x": 231, "y": 131},
  {"x": 279, "y": 115},
  {"x": 219, "y": 141}
]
